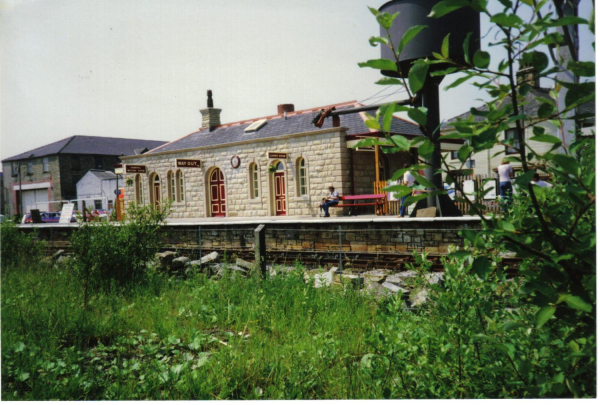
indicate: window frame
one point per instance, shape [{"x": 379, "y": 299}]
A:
[
  {"x": 137, "y": 180},
  {"x": 29, "y": 168},
  {"x": 516, "y": 145},
  {"x": 254, "y": 181},
  {"x": 180, "y": 186},
  {"x": 46, "y": 165},
  {"x": 15, "y": 169},
  {"x": 301, "y": 177},
  {"x": 171, "y": 186}
]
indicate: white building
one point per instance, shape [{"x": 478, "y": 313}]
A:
[{"x": 97, "y": 189}]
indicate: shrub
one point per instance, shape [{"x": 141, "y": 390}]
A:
[
  {"x": 109, "y": 255},
  {"x": 19, "y": 248}
]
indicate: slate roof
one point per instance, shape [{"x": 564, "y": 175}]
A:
[
  {"x": 276, "y": 125},
  {"x": 530, "y": 107},
  {"x": 103, "y": 174},
  {"x": 89, "y": 145}
]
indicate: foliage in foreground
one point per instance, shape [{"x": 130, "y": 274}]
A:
[{"x": 17, "y": 247}]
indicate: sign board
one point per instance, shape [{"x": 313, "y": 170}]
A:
[
  {"x": 66, "y": 213},
  {"x": 277, "y": 155},
  {"x": 135, "y": 169},
  {"x": 189, "y": 163},
  {"x": 469, "y": 189},
  {"x": 36, "y": 217},
  {"x": 489, "y": 183}
]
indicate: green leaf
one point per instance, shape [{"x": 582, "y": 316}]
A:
[
  {"x": 481, "y": 59},
  {"x": 426, "y": 149},
  {"x": 398, "y": 189},
  {"x": 545, "y": 110},
  {"x": 381, "y": 64},
  {"x": 388, "y": 81},
  {"x": 507, "y": 226},
  {"x": 408, "y": 36},
  {"x": 423, "y": 181},
  {"x": 446, "y": 46},
  {"x": 507, "y": 20},
  {"x": 387, "y": 111},
  {"x": 23, "y": 376},
  {"x": 464, "y": 152},
  {"x": 537, "y": 59},
  {"x": 579, "y": 93},
  {"x": 546, "y": 138},
  {"x": 417, "y": 75},
  {"x": 386, "y": 19},
  {"x": 401, "y": 142},
  {"x": 367, "y": 142},
  {"x": 566, "y": 163},
  {"x": 418, "y": 116},
  {"x": 482, "y": 266},
  {"x": 446, "y": 6},
  {"x": 568, "y": 20},
  {"x": 378, "y": 40},
  {"x": 575, "y": 302},
  {"x": 460, "y": 255},
  {"x": 524, "y": 179},
  {"x": 458, "y": 82},
  {"x": 466, "y": 47},
  {"x": 582, "y": 69}
]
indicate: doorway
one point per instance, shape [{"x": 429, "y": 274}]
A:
[
  {"x": 218, "y": 206},
  {"x": 156, "y": 190},
  {"x": 280, "y": 191}
]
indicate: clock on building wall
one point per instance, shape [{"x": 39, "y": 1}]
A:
[{"x": 235, "y": 162}]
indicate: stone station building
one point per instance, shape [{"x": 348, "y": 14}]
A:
[{"x": 279, "y": 165}]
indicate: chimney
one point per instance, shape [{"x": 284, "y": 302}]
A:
[
  {"x": 285, "y": 108},
  {"x": 528, "y": 75},
  {"x": 211, "y": 117}
]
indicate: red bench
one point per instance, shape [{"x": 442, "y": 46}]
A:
[{"x": 353, "y": 201}]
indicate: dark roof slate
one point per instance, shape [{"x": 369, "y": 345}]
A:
[
  {"x": 296, "y": 122},
  {"x": 89, "y": 145}
]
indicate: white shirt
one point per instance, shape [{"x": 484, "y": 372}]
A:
[
  {"x": 504, "y": 172},
  {"x": 409, "y": 179}
]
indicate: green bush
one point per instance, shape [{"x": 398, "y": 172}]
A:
[
  {"x": 18, "y": 247},
  {"x": 108, "y": 255}
]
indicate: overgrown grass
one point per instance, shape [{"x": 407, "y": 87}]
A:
[{"x": 182, "y": 339}]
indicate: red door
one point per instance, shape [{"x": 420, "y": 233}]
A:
[
  {"x": 280, "y": 205},
  {"x": 217, "y": 193}
]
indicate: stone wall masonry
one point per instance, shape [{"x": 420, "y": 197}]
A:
[
  {"x": 327, "y": 163},
  {"x": 432, "y": 236}
]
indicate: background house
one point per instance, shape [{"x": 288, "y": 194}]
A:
[
  {"x": 97, "y": 189},
  {"x": 44, "y": 177}
]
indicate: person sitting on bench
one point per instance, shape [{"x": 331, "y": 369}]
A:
[{"x": 333, "y": 199}]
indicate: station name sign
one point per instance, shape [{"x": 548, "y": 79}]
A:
[
  {"x": 189, "y": 163},
  {"x": 277, "y": 155},
  {"x": 135, "y": 169}
]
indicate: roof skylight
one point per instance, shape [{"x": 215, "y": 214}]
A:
[{"x": 255, "y": 125}]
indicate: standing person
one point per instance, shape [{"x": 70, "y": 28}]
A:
[
  {"x": 505, "y": 173},
  {"x": 332, "y": 199},
  {"x": 536, "y": 180},
  {"x": 408, "y": 180}
]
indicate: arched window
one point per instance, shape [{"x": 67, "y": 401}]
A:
[
  {"x": 171, "y": 186},
  {"x": 180, "y": 188},
  {"x": 302, "y": 186},
  {"x": 254, "y": 184},
  {"x": 155, "y": 189},
  {"x": 138, "y": 189}
]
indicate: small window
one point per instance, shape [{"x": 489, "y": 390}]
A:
[
  {"x": 180, "y": 189},
  {"x": 98, "y": 162},
  {"x": 470, "y": 164},
  {"x": 254, "y": 180},
  {"x": 255, "y": 126},
  {"x": 46, "y": 165},
  {"x": 98, "y": 204},
  {"x": 171, "y": 185},
  {"x": 15, "y": 169},
  {"x": 454, "y": 155},
  {"x": 75, "y": 163},
  {"x": 138, "y": 189},
  {"x": 511, "y": 135},
  {"x": 301, "y": 177},
  {"x": 29, "y": 168}
]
